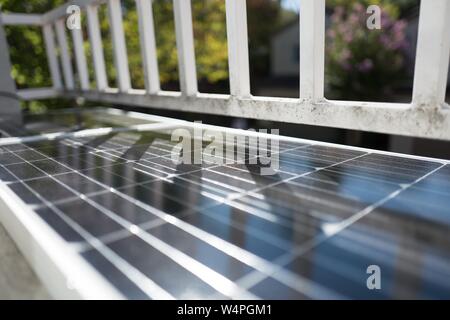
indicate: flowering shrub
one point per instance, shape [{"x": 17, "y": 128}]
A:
[{"x": 364, "y": 64}]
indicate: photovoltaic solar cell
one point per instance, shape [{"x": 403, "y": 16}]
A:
[{"x": 202, "y": 231}]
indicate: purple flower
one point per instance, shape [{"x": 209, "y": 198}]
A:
[
  {"x": 348, "y": 37},
  {"x": 342, "y": 28},
  {"x": 331, "y": 33},
  {"x": 337, "y": 15},
  {"x": 346, "y": 66},
  {"x": 339, "y": 11},
  {"x": 358, "y": 7},
  {"x": 399, "y": 26},
  {"x": 385, "y": 40},
  {"x": 343, "y": 58},
  {"x": 386, "y": 21},
  {"x": 346, "y": 54},
  {"x": 354, "y": 18},
  {"x": 366, "y": 65}
]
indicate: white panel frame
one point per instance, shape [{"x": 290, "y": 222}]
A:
[
  {"x": 63, "y": 271},
  {"x": 185, "y": 45}
]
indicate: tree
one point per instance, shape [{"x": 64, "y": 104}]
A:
[
  {"x": 26, "y": 44},
  {"x": 29, "y": 59}
]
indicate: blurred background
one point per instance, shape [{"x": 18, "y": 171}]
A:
[{"x": 360, "y": 64}]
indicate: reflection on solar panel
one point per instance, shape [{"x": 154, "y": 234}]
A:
[
  {"x": 149, "y": 228},
  {"x": 66, "y": 120}
]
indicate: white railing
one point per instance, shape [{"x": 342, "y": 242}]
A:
[{"x": 426, "y": 116}]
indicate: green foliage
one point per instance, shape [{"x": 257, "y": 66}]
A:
[
  {"x": 27, "y": 50},
  {"x": 165, "y": 40},
  {"x": 26, "y": 44},
  {"x": 387, "y": 5},
  {"x": 210, "y": 40},
  {"x": 30, "y": 68},
  {"x": 209, "y": 34}
]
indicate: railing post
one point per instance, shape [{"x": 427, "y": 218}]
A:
[
  {"x": 238, "y": 64},
  {"x": 433, "y": 53},
  {"x": 80, "y": 58},
  {"x": 312, "y": 49},
  {"x": 95, "y": 40},
  {"x": 49, "y": 37},
  {"x": 185, "y": 45},
  {"x": 9, "y": 103},
  {"x": 148, "y": 45},
  {"x": 65, "y": 56},
  {"x": 120, "y": 49}
]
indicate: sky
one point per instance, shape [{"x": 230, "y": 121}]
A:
[{"x": 291, "y": 5}]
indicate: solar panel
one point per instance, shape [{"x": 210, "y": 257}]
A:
[{"x": 142, "y": 226}]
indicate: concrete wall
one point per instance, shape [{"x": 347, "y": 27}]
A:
[{"x": 17, "y": 279}]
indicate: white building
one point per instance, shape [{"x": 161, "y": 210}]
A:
[{"x": 285, "y": 61}]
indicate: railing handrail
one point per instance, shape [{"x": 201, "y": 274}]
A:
[{"x": 426, "y": 116}]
